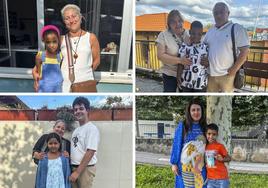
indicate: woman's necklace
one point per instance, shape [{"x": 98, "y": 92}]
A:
[
  {"x": 178, "y": 39},
  {"x": 76, "y": 42}
]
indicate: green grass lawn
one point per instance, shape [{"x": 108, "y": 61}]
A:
[{"x": 148, "y": 176}]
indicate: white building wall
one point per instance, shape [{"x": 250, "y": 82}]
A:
[
  {"x": 17, "y": 138},
  {"x": 148, "y": 128}
]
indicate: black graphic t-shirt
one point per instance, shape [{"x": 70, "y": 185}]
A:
[{"x": 195, "y": 75}]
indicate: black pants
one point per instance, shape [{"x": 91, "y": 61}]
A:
[
  {"x": 170, "y": 83},
  {"x": 188, "y": 90}
]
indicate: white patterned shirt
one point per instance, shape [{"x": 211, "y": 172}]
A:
[
  {"x": 84, "y": 137},
  {"x": 195, "y": 75}
]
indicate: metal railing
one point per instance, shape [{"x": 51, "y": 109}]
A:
[
  {"x": 256, "y": 70},
  {"x": 146, "y": 55},
  {"x": 256, "y": 65}
]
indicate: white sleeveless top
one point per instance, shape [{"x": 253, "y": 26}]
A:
[{"x": 83, "y": 66}]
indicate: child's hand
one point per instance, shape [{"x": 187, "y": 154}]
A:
[
  {"x": 204, "y": 61},
  {"x": 185, "y": 61},
  {"x": 36, "y": 85},
  {"x": 36, "y": 78},
  {"x": 219, "y": 157}
]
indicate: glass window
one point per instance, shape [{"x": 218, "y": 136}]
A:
[
  {"x": 4, "y": 44},
  {"x": 23, "y": 24},
  {"x": 22, "y": 33},
  {"x": 111, "y": 15}
]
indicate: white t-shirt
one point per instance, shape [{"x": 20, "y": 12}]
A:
[
  {"x": 84, "y": 137},
  {"x": 167, "y": 39},
  {"x": 220, "y": 51},
  {"x": 82, "y": 66},
  {"x": 195, "y": 75}
]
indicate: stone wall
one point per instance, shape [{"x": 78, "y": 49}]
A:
[
  {"x": 154, "y": 145},
  {"x": 244, "y": 150},
  {"x": 250, "y": 150}
]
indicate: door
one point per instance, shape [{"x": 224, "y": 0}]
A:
[
  {"x": 5, "y": 46},
  {"x": 160, "y": 130}
]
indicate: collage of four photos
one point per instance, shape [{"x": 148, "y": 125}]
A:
[{"x": 134, "y": 93}]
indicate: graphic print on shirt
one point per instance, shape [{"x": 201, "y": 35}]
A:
[
  {"x": 75, "y": 141},
  {"x": 195, "y": 75}
]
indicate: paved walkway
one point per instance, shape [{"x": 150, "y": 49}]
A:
[
  {"x": 163, "y": 160},
  {"x": 148, "y": 85}
]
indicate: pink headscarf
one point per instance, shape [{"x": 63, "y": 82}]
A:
[{"x": 49, "y": 27}]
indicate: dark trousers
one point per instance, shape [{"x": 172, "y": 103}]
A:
[
  {"x": 170, "y": 83},
  {"x": 188, "y": 90}
]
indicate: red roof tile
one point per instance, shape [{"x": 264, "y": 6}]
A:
[{"x": 155, "y": 22}]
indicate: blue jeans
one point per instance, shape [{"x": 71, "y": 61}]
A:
[
  {"x": 170, "y": 83},
  {"x": 224, "y": 183}
]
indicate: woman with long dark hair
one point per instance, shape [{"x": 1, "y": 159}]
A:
[{"x": 188, "y": 133}]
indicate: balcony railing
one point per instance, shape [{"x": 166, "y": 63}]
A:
[{"x": 256, "y": 67}]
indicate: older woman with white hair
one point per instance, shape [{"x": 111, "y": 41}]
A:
[{"x": 80, "y": 50}]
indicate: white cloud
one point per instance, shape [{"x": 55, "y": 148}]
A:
[
  {"x": 127, "y": 100},
  {"x": 101, "y": 100},
  {"x": 243, "y": 12},
  {"x": 98, "y": 101}
]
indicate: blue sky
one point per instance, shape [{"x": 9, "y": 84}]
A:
[
  {"x": 243, "y": 12},
  {"x": 36, "y": 102}
]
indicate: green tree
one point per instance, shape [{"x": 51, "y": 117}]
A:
[
  {"x": 208, "y": 26},
  {"x": 113, "y": 102},
  {"x": 45, "y": 107},
  {"x": 219, "y": 111},
  {"x": 249, "y": 111},
  {"x": 65, "y": 113},
  {"x": 162, "y": 107}
]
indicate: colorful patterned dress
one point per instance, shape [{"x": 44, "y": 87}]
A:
[{"x": 175, "y": 158}]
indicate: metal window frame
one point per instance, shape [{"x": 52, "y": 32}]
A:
[
  {"x": 40, "y": 21},
  {"x": 126, "y": 36},
  {"x": 6, "y": 20}
]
